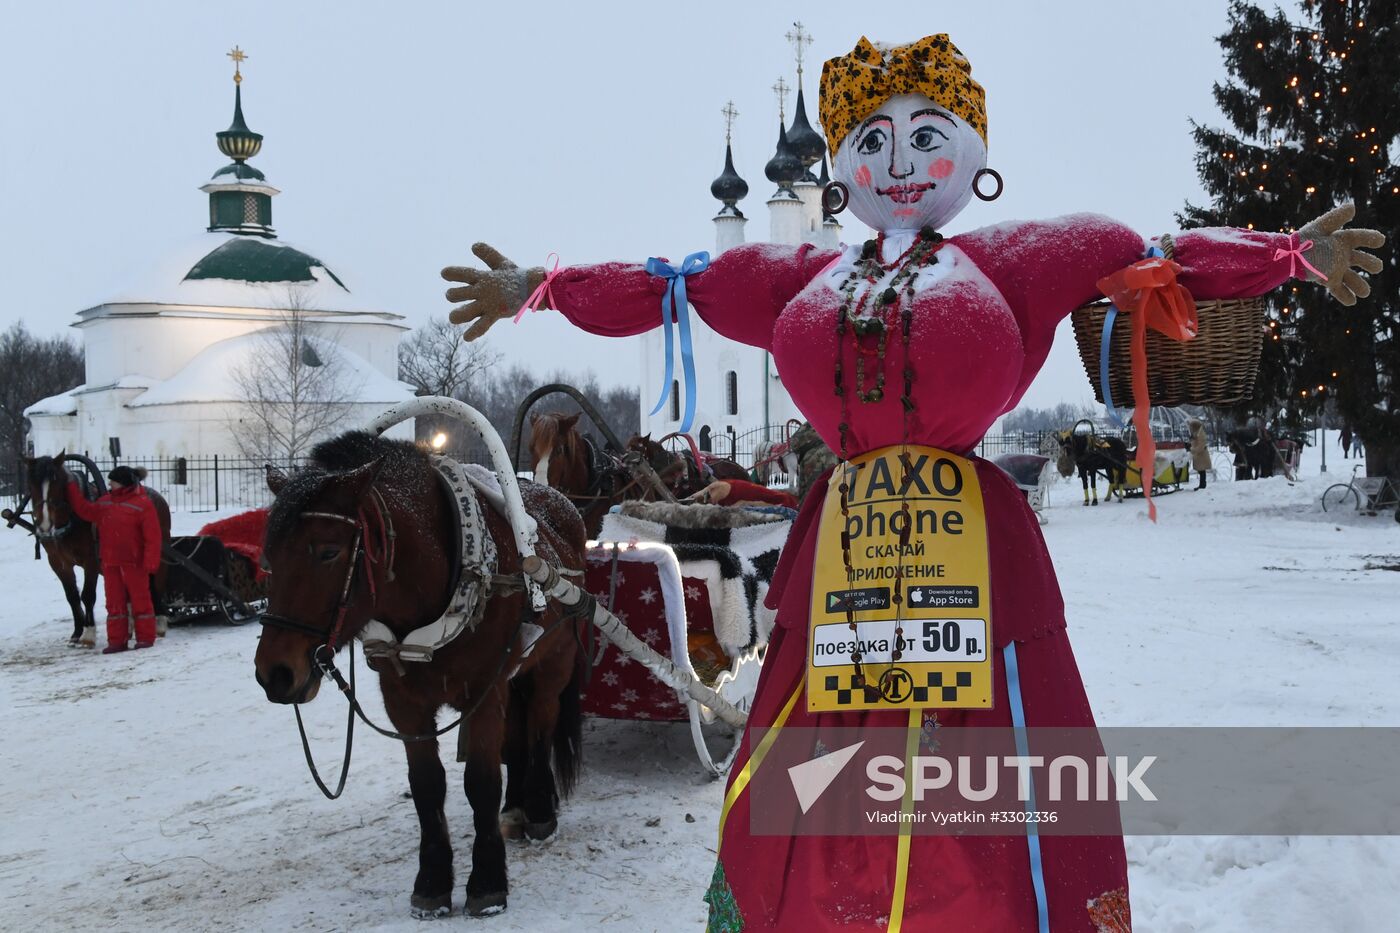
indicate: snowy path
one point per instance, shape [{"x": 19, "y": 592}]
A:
[{"x": 160, "y": 790}]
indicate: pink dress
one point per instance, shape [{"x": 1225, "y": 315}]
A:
[{"x": 982, "y": 326}]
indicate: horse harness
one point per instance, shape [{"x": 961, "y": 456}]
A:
[
  {"x": 603, "y": 470},
  {"x": 475, "y": 579},
  {"x": 63, "y": 530}
]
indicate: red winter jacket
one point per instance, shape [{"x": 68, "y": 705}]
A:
[{"x": 127, "y": 525}]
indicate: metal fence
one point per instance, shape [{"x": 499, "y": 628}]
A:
[
  {"x": 189, "y": 484},
  {"x": 207, "y": 484}
]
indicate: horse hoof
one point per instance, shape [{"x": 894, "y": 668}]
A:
[
  {"x": 89, "y": 639},
  {"x": 513, "y": 823},
  {"x": 162, "y": 626},
  {"x": 541, "y": 831},
  {"x": 486, "y": 905},
  {"x": 430, "y": 908}
]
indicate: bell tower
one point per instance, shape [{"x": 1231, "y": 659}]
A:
[{"x": 240, "y": 199}]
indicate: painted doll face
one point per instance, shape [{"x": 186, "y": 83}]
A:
[{"x": 910, "y": 164}]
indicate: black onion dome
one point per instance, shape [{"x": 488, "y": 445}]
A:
[
  {"x": 729, "y": 187},
  {"x": 806, "y": 142},
  {"x": 785, "y": 168}
]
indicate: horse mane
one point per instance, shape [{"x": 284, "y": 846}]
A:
[{"x": 333, "y": 457}]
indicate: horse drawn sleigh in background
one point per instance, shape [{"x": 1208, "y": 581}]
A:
[
  {"x": 683, "y": 569},
  {"x": 213, "y": 573},
  {"x": 1083, "y": 449}
]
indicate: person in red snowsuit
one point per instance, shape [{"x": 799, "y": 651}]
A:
[{"x": 128, "y": 531}]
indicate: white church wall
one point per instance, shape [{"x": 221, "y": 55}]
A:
[
  {"x": 50, "y": 434},
  {"x": 377, "y": 342},
  {"x": 142, "y": 341}
]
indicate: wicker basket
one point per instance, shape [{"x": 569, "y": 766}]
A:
[{"x": 1217, "y": 367}]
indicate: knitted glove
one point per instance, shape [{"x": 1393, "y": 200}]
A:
[
  {"x": 492, "y": 293},
  {"x": 1335, "y": 252}
]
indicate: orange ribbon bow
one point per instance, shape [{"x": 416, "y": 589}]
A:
[{"x": 1148, "y": 292}]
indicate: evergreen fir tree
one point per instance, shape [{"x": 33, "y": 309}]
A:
[{"x": 1315, "y": 110}]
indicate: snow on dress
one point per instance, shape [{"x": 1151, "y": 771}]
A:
[{"x": 983, "y": 320}]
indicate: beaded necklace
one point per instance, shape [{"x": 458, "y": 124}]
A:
[{"x": 871, "y": 268}]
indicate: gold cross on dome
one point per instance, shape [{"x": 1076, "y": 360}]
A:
[
  {"x": 800, "y": 39},
  {"x": 729, "y": 114},
  {"x": 239, "y": 57},
  {"x": 781, "y": 89}
]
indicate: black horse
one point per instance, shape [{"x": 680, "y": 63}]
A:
[
  {"x": 1256, "y": 453},
  {"x": 1093, "y": 455}
]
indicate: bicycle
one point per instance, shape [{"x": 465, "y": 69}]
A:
[{"x": 1369, "y": 494}]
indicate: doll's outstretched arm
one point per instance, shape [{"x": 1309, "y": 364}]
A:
[
  {"x": 740, "y": 295},
  {"x": 1226, "y": 262}
]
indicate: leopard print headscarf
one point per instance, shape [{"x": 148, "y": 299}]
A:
[{"x": 853, "y": 85}]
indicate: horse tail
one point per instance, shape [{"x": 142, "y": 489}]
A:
[{"x": 568, "y": 733}]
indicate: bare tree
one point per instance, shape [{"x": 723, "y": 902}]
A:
[
  {"x": 294, "y": 391},
  {"x": 1056, "y": 418},
  {"x": 31, "y": 368},
  {"x": 435, "y": 360}
]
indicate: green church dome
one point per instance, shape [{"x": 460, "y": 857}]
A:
[{"x": 250, "y": 260}]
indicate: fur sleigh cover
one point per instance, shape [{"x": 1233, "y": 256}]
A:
[{"x": 733, "y": 550}]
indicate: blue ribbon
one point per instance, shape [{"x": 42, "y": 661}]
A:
[
  {"x": 674, "y": 304},
  {"x": 1108, "y": 320},
  {"x": 1018, "y": 722}
]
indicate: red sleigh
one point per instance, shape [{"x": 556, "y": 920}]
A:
[{"x": 642, "y": 584}]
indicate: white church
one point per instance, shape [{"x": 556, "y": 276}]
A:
[
  {"x": 168, "y": 358},
  {"x": 737, "y": 387}
]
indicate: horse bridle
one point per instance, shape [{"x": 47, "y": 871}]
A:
[
  {"x": 359, "y": 554},
  {"x": 62, "y": 530}
]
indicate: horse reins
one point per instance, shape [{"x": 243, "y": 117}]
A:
[
  {"x": 324, "y": 656},
  {"x": 360, "y": 554}
]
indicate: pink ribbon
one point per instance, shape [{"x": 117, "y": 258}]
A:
[
  {"x": 1294, "y": 254},
  {"x": 537, "y": 296}
]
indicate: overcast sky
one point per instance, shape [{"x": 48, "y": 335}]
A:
[{"x": 399, "y": 134}]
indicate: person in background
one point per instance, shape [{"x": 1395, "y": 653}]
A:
[
  {"x": 1345, "y": 440},
  {"x": 1200, "y": 453},
  {"x": 128, "y": 531}
]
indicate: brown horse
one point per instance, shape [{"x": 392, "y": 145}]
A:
[
  {"x": 563, "y": 459},
  {"x": 70, "y": 542},
  {"x": 682, "y": 473},
  {"x": 367, "y": 532}
]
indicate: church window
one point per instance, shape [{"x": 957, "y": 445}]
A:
[
  {"x": 731, "y": 392},
  {"x": 675, "y": 400}
]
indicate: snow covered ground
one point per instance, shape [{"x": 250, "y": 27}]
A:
[{"x": 159, "y": 790}]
